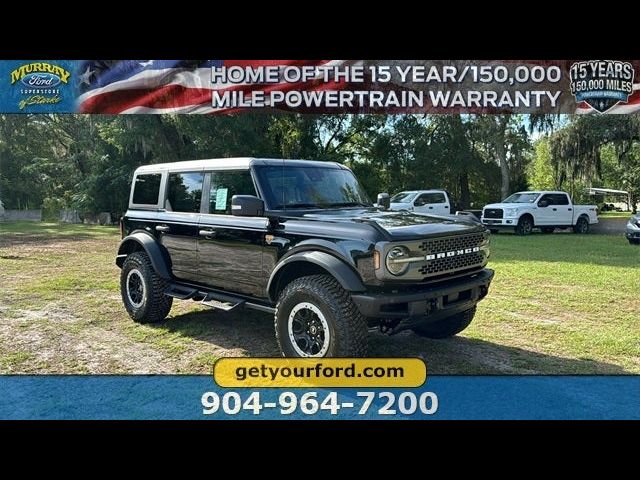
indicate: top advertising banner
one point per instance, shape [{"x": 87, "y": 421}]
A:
[
  {"x": 319, "y": 86},
  {"x": 323, "y": 240}
]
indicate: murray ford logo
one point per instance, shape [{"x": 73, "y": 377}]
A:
[
  {"x": 602, "y": 84},
  {"x": 40, "y": 74},
  {"x": 39, "y": 83},
  {"x": 452, "y": 253},
  {"x": 41, "y": 80}
]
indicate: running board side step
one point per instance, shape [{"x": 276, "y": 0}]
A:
[
  {"x": 221, "y": 302},
  {"x": 180, "y": 292},
  {"x": 214, "y": 299}
]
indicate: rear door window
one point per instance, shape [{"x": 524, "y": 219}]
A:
[
  {"x": 560, "y": 199},
  {"x": 185, "y": 192}
]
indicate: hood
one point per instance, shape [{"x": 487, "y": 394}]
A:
[
  {"x": 509, "y": 205},
  {"x": 399, "y": 204},
  {"x": 400, "y": 224}
]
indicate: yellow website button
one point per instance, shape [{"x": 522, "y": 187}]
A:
[{"x": 325, "y": 372}]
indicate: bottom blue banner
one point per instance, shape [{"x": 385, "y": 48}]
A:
[{"x": 440, "y": 398}]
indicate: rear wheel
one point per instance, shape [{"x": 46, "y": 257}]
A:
[
  {"x": 447, "y": 327},
  {"x": 525, "y": 225},
  {"x": 142, "y": 290},
  {"x": 315, "y": 317},
  {"x": 582, "y": 226}
]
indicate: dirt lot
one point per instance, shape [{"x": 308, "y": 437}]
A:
[{"x": 560, "y": 304}]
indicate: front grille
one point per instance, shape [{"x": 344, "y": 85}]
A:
[
  {"x": 493, "y": 213},
  {"x": 458, "y": 261},
  {"x": 453, "y": 263},
  {"x": 458, "y": 242}
]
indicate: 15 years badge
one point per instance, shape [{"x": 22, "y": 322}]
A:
[{"x": 602, "y": 84}]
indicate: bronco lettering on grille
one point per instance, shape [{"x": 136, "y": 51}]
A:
[{"x": 433, "y": 256}]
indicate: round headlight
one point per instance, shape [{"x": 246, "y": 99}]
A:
[{"x": 396, "y": 260}]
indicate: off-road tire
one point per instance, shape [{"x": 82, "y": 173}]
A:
[
  {"x": 525, "y": 225},
  {"x": 348, "y": 329},
  {"x": 447, "y": 327},
  {"x": 581, "y": 226},
  {"x": 155, "y": 305},
  {"x": 547, "y": 229}
]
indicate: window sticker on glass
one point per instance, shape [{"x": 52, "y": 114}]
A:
[{"x": 221, "y": 198}]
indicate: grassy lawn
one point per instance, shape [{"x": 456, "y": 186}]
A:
[{"x": 559, "y": 304}]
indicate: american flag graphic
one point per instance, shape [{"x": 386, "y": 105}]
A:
[{"x": 174, "y": 86}]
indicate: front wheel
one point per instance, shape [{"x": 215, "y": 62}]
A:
[
  {"x": 447, "y": 327},
  {"x": 582, "y": 226},
  {"x": 315, "y": 317},
  {"x": 525, "y": 225}
]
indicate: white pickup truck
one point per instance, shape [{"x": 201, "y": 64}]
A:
[
  {"x": 437, "y": 202},
  {"x": 524, "y": 211}
]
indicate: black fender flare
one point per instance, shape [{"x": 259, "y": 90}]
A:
[
  {"x": 343, "y": 273},
  {"x": 150, "y": 246}
]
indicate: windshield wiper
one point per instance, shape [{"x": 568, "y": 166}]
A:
[
  {"x": 297, "y": 205},
  {"x": 348, "y": 204}
]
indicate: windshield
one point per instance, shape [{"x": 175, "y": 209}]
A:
[
  {"x": 526, "y": 197},
  {"x": 310, "y": 187},
  {"x": 403, "y": 197}
]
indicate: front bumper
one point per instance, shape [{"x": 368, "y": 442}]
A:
[
  {"x": 430, "y": 303},
  {"x": 633, "y": 234},
  {"x": 499, "y": 222}
]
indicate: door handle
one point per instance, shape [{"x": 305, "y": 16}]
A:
[
  {"x": 555, "y": 209},
  {"x": 430, "y": 208},
  {"x": 207, "y": 233},
  {"x": 570, "y": 209},
  {"x": 162, "y": 228}
]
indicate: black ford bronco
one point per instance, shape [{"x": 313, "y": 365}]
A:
[{"x": 300, "y": 240}]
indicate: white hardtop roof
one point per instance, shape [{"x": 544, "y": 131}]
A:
[{"x": 239, "y": 163}]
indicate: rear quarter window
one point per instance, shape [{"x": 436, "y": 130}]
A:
[{"x": 146, "y": 189}]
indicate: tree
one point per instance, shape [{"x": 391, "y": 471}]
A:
[
  {"x": 506, "y": 140},
  {"x": 540, "y": 173},
  {"x": 576, "y": 151}
]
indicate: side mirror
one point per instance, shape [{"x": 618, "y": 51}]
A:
[
  {"x": 543, "y": 203},
  {"x": 247, "y": 206},
  {"x": 384, "y": 201}
]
